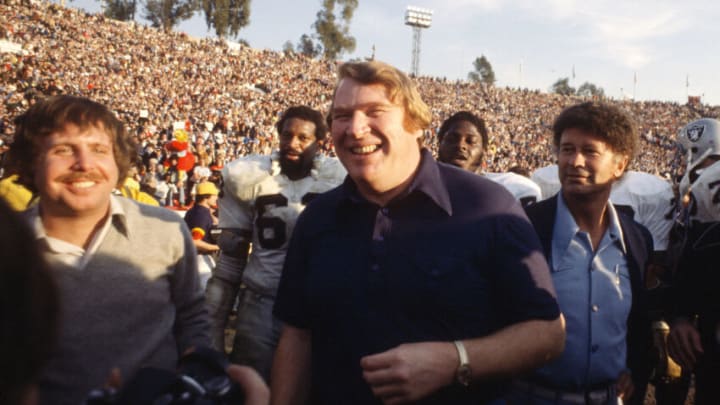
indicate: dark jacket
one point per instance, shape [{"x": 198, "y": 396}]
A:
[
  {"x": 694, "y": 292},
  {"x": 639, "y": 246}
]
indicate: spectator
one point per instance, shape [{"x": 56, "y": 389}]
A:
[
  {"x": 156, "y": 80},
  {"x": 201, "y": 221}
]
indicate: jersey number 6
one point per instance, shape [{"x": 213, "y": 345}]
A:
[{"x": 271, "y": 230}]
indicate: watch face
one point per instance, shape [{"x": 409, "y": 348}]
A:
[{"x": 464, "y": 375}]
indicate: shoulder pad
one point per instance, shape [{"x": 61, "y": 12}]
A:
[
  {"x": 548, "y": 180},
  {"x": 329, "y": 170},
  {"x": 240, "y": 176},
  {"x": 642, "y": 184},
  {"x": 706, "y": 191},
  {"x": 519, "y": 186}
]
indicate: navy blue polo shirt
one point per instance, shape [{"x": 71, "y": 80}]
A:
[
  {"x": 454, "y": 257},
  {"x": 201, "y": 218}
]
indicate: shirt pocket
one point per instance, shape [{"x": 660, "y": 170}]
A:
[
  {"x": 449, "y": 281},
  {"x": 563, "y": 265}
]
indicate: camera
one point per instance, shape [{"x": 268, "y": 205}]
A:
[{"x": 200, "y": 380}]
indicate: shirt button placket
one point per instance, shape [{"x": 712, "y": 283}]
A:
[{"x": 382, "y": 224}]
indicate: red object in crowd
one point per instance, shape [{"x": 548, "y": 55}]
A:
[{"x": 180, "y": 148}]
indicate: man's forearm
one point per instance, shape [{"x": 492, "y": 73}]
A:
[
  {"x": 290, "y": 381},
  {"x": 517, "y": 348},
  {"x": 205, "y": 247},
  {"x": 413, "y": 371}
]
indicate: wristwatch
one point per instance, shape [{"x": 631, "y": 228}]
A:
[{"x": 463, "y": 375}]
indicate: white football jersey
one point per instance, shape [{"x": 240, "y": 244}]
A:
[
  {"x": 524, "y": 189},
  {"x": 257, "y": 197},
  {"x": 705, "y": 194},
  {"x": 651, "y": 200},
  {"x": 548, "y": 180}
]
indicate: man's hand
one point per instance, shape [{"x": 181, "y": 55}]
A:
[
  {"x": 410, "y": 371},
  {"x": 625, "y": 386},
  {"x": 684, "y": 344},
  {"x": 255, "y": 390},
  {"x": 114, "y": 380}
]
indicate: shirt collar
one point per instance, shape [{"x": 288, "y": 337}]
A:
[
  {"x": 614, "y": 228},
  {"x": 566, "y": 227},
  {"x": 117, "y": 214},
  {"x": 427, "y": 181}
]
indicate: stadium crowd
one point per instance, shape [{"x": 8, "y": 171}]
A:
[{"x": 230, "y": 96}]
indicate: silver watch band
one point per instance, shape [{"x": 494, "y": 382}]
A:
[{"x": 462, "y": 353}]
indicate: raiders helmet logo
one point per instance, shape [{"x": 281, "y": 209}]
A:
[{"x": 695, "y": 132}]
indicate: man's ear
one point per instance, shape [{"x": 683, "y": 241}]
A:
[
  {"x": 420, "y": 137},
  {"x": 621, "y": 162}
]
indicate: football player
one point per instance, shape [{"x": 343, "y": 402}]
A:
[
  {"x": 261, "y": 200},
  {"x": 463, "y": 139},
  {"x": 699, "y": 188},
  {"x": 694, "y": 339}
]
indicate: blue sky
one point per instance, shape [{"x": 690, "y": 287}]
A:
[{"x": 530, "y": 43}]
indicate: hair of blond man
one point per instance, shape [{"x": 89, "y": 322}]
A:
[{"x": 400, "y": 88}]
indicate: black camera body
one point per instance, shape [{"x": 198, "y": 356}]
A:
[{"x": 200, "y": 380}]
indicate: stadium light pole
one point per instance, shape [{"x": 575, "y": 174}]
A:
[{"x": 418, "y": 18}]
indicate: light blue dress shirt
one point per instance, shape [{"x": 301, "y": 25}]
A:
[{"x": 593, "y": 290}]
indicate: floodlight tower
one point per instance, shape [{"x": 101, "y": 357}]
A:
[{"x": 418, "y": 18}]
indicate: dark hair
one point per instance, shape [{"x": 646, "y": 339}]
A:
[
  {"x": 478, "y": 122},
  {"x": 53, "y": 114},
  {"x": 305, "y": 113},
  {"x": 611, "y": 124},
  {"x": 28, "y": 308},
  {"x": 521, "y": 170}
]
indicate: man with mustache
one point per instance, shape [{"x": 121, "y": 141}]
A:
[
  {"x": 463, "y": 140},
  {"x": 262, "y": 197},
  {"x": 413, "y": 281},
  {"x": 127, "y": 272},
  {"x": 597, "y": 256}
]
